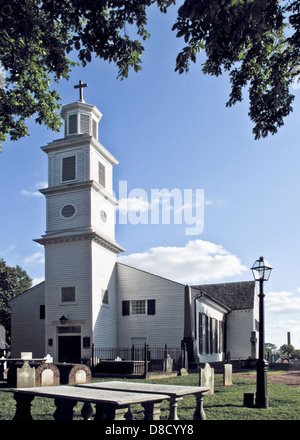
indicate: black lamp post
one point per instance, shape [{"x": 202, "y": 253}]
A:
[{"x": 261, "y": 273}]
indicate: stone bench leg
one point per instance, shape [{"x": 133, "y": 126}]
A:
[
  {"x": 199, "y": 413},
  {"x": 151, "y": 410},
  {"x": 64, "y": 409},
  {"x": 173, "y": 408},
  {"x": 23, "y": 406},
  {"x": 111, "y": 412},
  {"x": 87, "y": 411}
]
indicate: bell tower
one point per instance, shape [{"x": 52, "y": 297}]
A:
[{"x": 79, "y": 242}]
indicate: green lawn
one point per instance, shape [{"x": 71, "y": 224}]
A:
[{"x": 225, "y": 404}]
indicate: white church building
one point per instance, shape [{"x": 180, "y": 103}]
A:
[{"x": 88, "y": 298}]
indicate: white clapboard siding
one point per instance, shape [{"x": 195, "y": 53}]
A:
[
  {"x": 68, "y": 264},
  {"x": 166, "y": 326},
  {"x": 104, "y": 315},
  {"x": 102, "y": 214},
  {"x": 79, "y": 199},
  {"x": 240, "y": 324},
  {"x": 27, "y": 329}
]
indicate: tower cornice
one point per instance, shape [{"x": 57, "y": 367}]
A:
[
  {"x": 73, "y": 236},
  {"x": 77, "y": 186},
  {"x": 79, "y": 140}
]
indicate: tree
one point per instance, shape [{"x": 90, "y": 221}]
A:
[
  {"x": 270, "y": 348},
  {"x": 287, "y": 350},
  {"x": 13, "y": 281},
  {"x": 247, "y": 38}
]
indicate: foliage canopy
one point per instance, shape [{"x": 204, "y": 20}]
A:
[
  {"x": 256, "y": 41},
  {"x": 13, "y": 281}
]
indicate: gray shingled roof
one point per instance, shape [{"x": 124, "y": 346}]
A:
[{"x": 236, "y": 296}]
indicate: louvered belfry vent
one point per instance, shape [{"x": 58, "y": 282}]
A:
[
  {"x": 73, "y": 124},
  {"x": 84, "y": 123}
]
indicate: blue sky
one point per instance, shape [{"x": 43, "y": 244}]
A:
[{"x": 174, "y": 131}]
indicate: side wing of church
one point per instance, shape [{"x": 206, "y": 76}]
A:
[{"x": 88, "y": 298}]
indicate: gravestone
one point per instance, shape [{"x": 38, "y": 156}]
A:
[
  {"x": 207, "y": 378},
  {"x": 47, "y": 378},
  {"x": 47, "y": 374},
  {"x": 227, "y": 375},
  {"x": 25, "y": 376},
  {"x": 80, "y": 377}
]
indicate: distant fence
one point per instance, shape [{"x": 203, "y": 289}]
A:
[{"x": 145, "y": 357}]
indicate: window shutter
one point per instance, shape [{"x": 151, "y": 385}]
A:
[
  {"x": 101, "y": 175},
  {"x": 200, "y": 335},
  {"x": 84, "y": 123},
  {"x": 73, "y": 124},
  {"x": 151, "y": 307},
  {"x": 125, "y": 308},
  {"x": 68, "y": 168}
]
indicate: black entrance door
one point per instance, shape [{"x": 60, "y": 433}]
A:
[{"x": 69, "y": 349}]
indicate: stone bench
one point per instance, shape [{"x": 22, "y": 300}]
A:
[
  {"x": 174, "y": 393},
  {"x": 109, "y": 404}
]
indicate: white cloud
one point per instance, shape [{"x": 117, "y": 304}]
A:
[
  {"x": 197, "y": 262},
  {"x": 283, "y": 302},
  {"x": 37, "y": 257},
  {"x": 37, "y": 281},
  {"x": 24, "y": 192},
  {"x": 133, "y": 204},
  {"x": 34, "y": 192},
  {"x": 276, "y": 332}
]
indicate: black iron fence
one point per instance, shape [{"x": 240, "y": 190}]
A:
[{"x": 139, "y": 359}]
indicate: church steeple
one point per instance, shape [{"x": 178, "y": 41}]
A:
[{"x": 80, "y": 117}]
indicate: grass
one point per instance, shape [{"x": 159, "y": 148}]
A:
[{"x": 225, "y": 404}]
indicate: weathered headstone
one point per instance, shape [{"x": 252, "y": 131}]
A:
[
  {"x": 47, "y": 378},
  {"x": 207, "y": 378},
  {"x": 227, "y": 375},
  {"x": 25, "y": 376},
  {"x": 80, "y": 377}
]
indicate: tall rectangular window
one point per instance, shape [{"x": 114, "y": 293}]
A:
[
  {"x": 68, "y": 294},
  {"x": 101, "y": 174},
  {"x": 42, "y": 311},
  {"x": 68, "y": 168}
]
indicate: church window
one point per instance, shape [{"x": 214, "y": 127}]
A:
[
  {"x": 101, "y": 174},
  {"x": 42, "y": 311},
  {"x": 84, "y": 123},
  {"x": 73, "y": 124},
  {"x": 138, "y": 307},
  {"x": 68, "y": 294},
  {"x": 68, "y": 168},
  {"x": 68, "y": 211}
]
